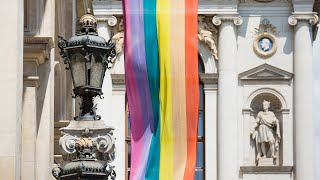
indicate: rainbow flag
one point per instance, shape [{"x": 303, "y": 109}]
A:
[{"x": 161, "y": 64}]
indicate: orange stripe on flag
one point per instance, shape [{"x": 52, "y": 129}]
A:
[{"x": 192, "y": 84}]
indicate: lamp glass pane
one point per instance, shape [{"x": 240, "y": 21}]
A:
[
  {"x": 97, "y": 72},
  {"x": 78, "y": 69}
]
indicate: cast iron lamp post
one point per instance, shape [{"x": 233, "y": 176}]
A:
[
  {"x": 87, "y": 144},
  {"x": 88, "y": 56}
]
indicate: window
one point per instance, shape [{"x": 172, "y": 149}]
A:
[
  {"x": 200, "y": 162},
  {"x": 200, "y": 165}
]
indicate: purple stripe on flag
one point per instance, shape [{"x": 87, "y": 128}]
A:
[
  {"x": 131, "y": 84},
  {"x": 140, "y": 125}
]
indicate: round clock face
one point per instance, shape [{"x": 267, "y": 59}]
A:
[{"x": 265, "y": 45}]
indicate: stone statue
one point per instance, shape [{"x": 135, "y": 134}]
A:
[
  {"x": 207, "y": 33},
  {"x": 118, "y": 38},
  {"x": 266, "y": 129}
]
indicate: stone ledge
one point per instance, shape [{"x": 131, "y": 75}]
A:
[
  {"x": 37, "y": 48},
  {"x": 266, "y": 169},
  {"x": 208, "y": 78},
  {"x": 118, "y": 79}
]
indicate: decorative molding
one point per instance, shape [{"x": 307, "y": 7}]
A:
[
  {"x": 235, "y": 18},
  {"x": 266, "y": 72},
  {"x": 31, "y": 81},
  {"x": 118, "y": 79},
  {"x": 102, "y": 8},
  {"x": 37, "y": 48},
  {"x": 266, "y": 169},
  {"x": 266, "y": 27},
  {"x": 311, "y": 17},
  {"x": 208, "y": 78},
  {"x": 265, "y": 1},
  {"x": 39, "y": 40}
]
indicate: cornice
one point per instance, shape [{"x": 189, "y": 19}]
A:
[
  {"x": 33, "y": 40},
  {"x": 118, "y": 79},
  {"x": 37, "y": 48},
  {"x": 103, "y": 8}
]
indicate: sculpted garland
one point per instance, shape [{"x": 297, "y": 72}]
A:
[{"x": 207, "y": 33}]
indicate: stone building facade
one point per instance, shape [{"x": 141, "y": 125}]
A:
[{"x": 252, "y": 53}]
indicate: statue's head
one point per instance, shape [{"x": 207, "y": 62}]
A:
[
  {"x": 265, "y": 104},
  {"x": 265, "y": 44}
]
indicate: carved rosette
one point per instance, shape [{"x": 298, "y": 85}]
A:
[
  {"x": 236, "y": 19},
  {"x": 311, "y": 18}
]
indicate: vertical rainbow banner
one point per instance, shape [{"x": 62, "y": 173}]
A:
[{"x": 161, "y": 64}]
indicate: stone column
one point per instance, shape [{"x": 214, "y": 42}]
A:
[
  {"x": 210, "y": 117},
  {"x": 11, "y": 89},
  {"x": 45, "y": 115},
  {"x": 37, "y": 120},
  {"x": 29, "y": 119},
  {"x": 228, "y": 167},
  {"x": 118, "y": 120},
  {"x": 304, "y": 126}
]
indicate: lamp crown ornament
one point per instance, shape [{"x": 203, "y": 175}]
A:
[
  {"x": 88, "y": 23},
  {"x": 87, "y": 144}
]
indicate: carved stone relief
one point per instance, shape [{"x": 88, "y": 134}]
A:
[
  {"x": 208, "y": 34},
  {"x": 118, "y": 36},
  {"x": 266, "y": 39}
]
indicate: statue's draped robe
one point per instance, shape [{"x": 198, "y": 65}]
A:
[{"x": 267, "y": 128}]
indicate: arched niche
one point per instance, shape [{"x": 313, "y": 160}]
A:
[
  {"x": 253, "y": 106},
  {"x": 267, "y": 93}
]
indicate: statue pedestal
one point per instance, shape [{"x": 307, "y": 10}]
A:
[{"x": 267, "y": 162}]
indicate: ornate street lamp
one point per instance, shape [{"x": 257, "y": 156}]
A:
[
  {"x": 88, "y": 56},
  {"x": 87, "y": 144}
]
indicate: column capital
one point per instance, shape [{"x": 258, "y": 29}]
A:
[
  {"x": 311, "y": 17},
  {"x": 218, "y": 19},
  {"x": 111, "y": 20}
]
